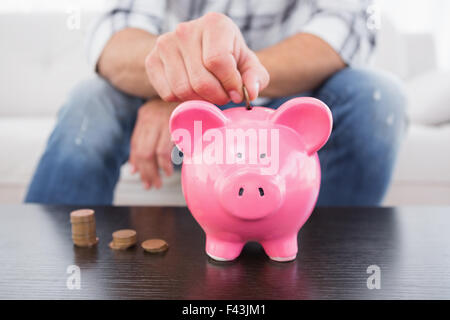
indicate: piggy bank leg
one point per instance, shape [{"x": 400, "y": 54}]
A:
[
  {"x": 281, "y": 250},
  {"x": 221, "y": 250}
]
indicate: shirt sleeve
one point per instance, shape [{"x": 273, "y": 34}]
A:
[
  {"x": 141, "y": 14},
  {"x": 349, "y": 26}
]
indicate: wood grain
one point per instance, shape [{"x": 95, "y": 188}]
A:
[{"x": 410, "y": 245}]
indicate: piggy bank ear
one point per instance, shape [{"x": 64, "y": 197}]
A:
[
  {"x": 190, "y": 120},
  {"x": 309, "y": 117}
]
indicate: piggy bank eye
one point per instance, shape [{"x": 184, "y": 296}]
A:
[
  {"x": 262, "y": 155},
  {"x": 239, "y": 155}
]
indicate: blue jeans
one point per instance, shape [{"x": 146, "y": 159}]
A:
[{"x": 91, "y": 141}]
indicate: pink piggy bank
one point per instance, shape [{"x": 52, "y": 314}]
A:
[{"x": 251, "y": 175}]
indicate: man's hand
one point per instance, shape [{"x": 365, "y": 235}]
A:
[
  {"x": 205, "y": 59},
  {"x": 151, "y": 145}
]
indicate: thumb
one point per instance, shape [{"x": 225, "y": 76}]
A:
[{"x": 254, "y": 75}]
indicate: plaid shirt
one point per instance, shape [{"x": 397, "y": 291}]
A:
[{"x": 344, "y": 24}]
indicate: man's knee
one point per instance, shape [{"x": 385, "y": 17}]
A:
[
  {"x": 94, "y": 121},
  {"x": 369, "y": 121},
  {"x": 94, "y": 97},
  {"x": 94, "y": 86},
  {"x": 372, "y": 104}
]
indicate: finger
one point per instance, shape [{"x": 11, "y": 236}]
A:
[
  {"x": 146, "y": 142},
  {"x": 219, "y": 57},
  {"x": 254, "y": 75},
  {"x": 164, "y": 151},
  {"x": 176, "y": 74},
  {"x": 203, "y": 82},
  {"x": 150, "y": 173},
  {"x": 132, "y": 156},
  {"x": 133, "y": 161},
  {"x": 157, "y": 76}
]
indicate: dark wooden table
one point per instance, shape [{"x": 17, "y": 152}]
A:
[{"x": 411, "y": 246}]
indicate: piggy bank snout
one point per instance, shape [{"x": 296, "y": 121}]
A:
[{"x": 250, "y": 196}]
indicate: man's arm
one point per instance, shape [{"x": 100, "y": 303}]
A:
[
  {"x": 122, "y": 62},
  {"x": 203, "y": 59},
  {"x": 298, "y": 64}
]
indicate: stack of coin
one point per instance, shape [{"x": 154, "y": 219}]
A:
[
  {"x": 155, "y": 245},
  {"x": 83, "y": 228},
  {"x": 123, "y": 239}
]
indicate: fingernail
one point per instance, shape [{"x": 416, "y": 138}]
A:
[
  {"x": 257, "y": 87},
  {"x": 132, "y": 169},
  {"x": 235, "y": 96},
  {"x": 146, "y": 185}
]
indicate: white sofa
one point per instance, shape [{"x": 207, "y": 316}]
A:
[{"x": 41, "y": 60}]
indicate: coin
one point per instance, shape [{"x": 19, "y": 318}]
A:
[
  {"x": 86, "y": 243},
  {"x": 82, "y": 215},
  {"x": 124, "y": 234},
  {"x": 248, "y": 105},
  {"x": 81, "y": 229},
  {"x": 114, "y": 246},
  {"x": 155, "y": 245}
]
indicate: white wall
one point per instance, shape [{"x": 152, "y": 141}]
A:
[
  {"x": 418, "y": 16},
  {"x": 33, "y": 6},
  {"x": 409, "y": 15}
]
